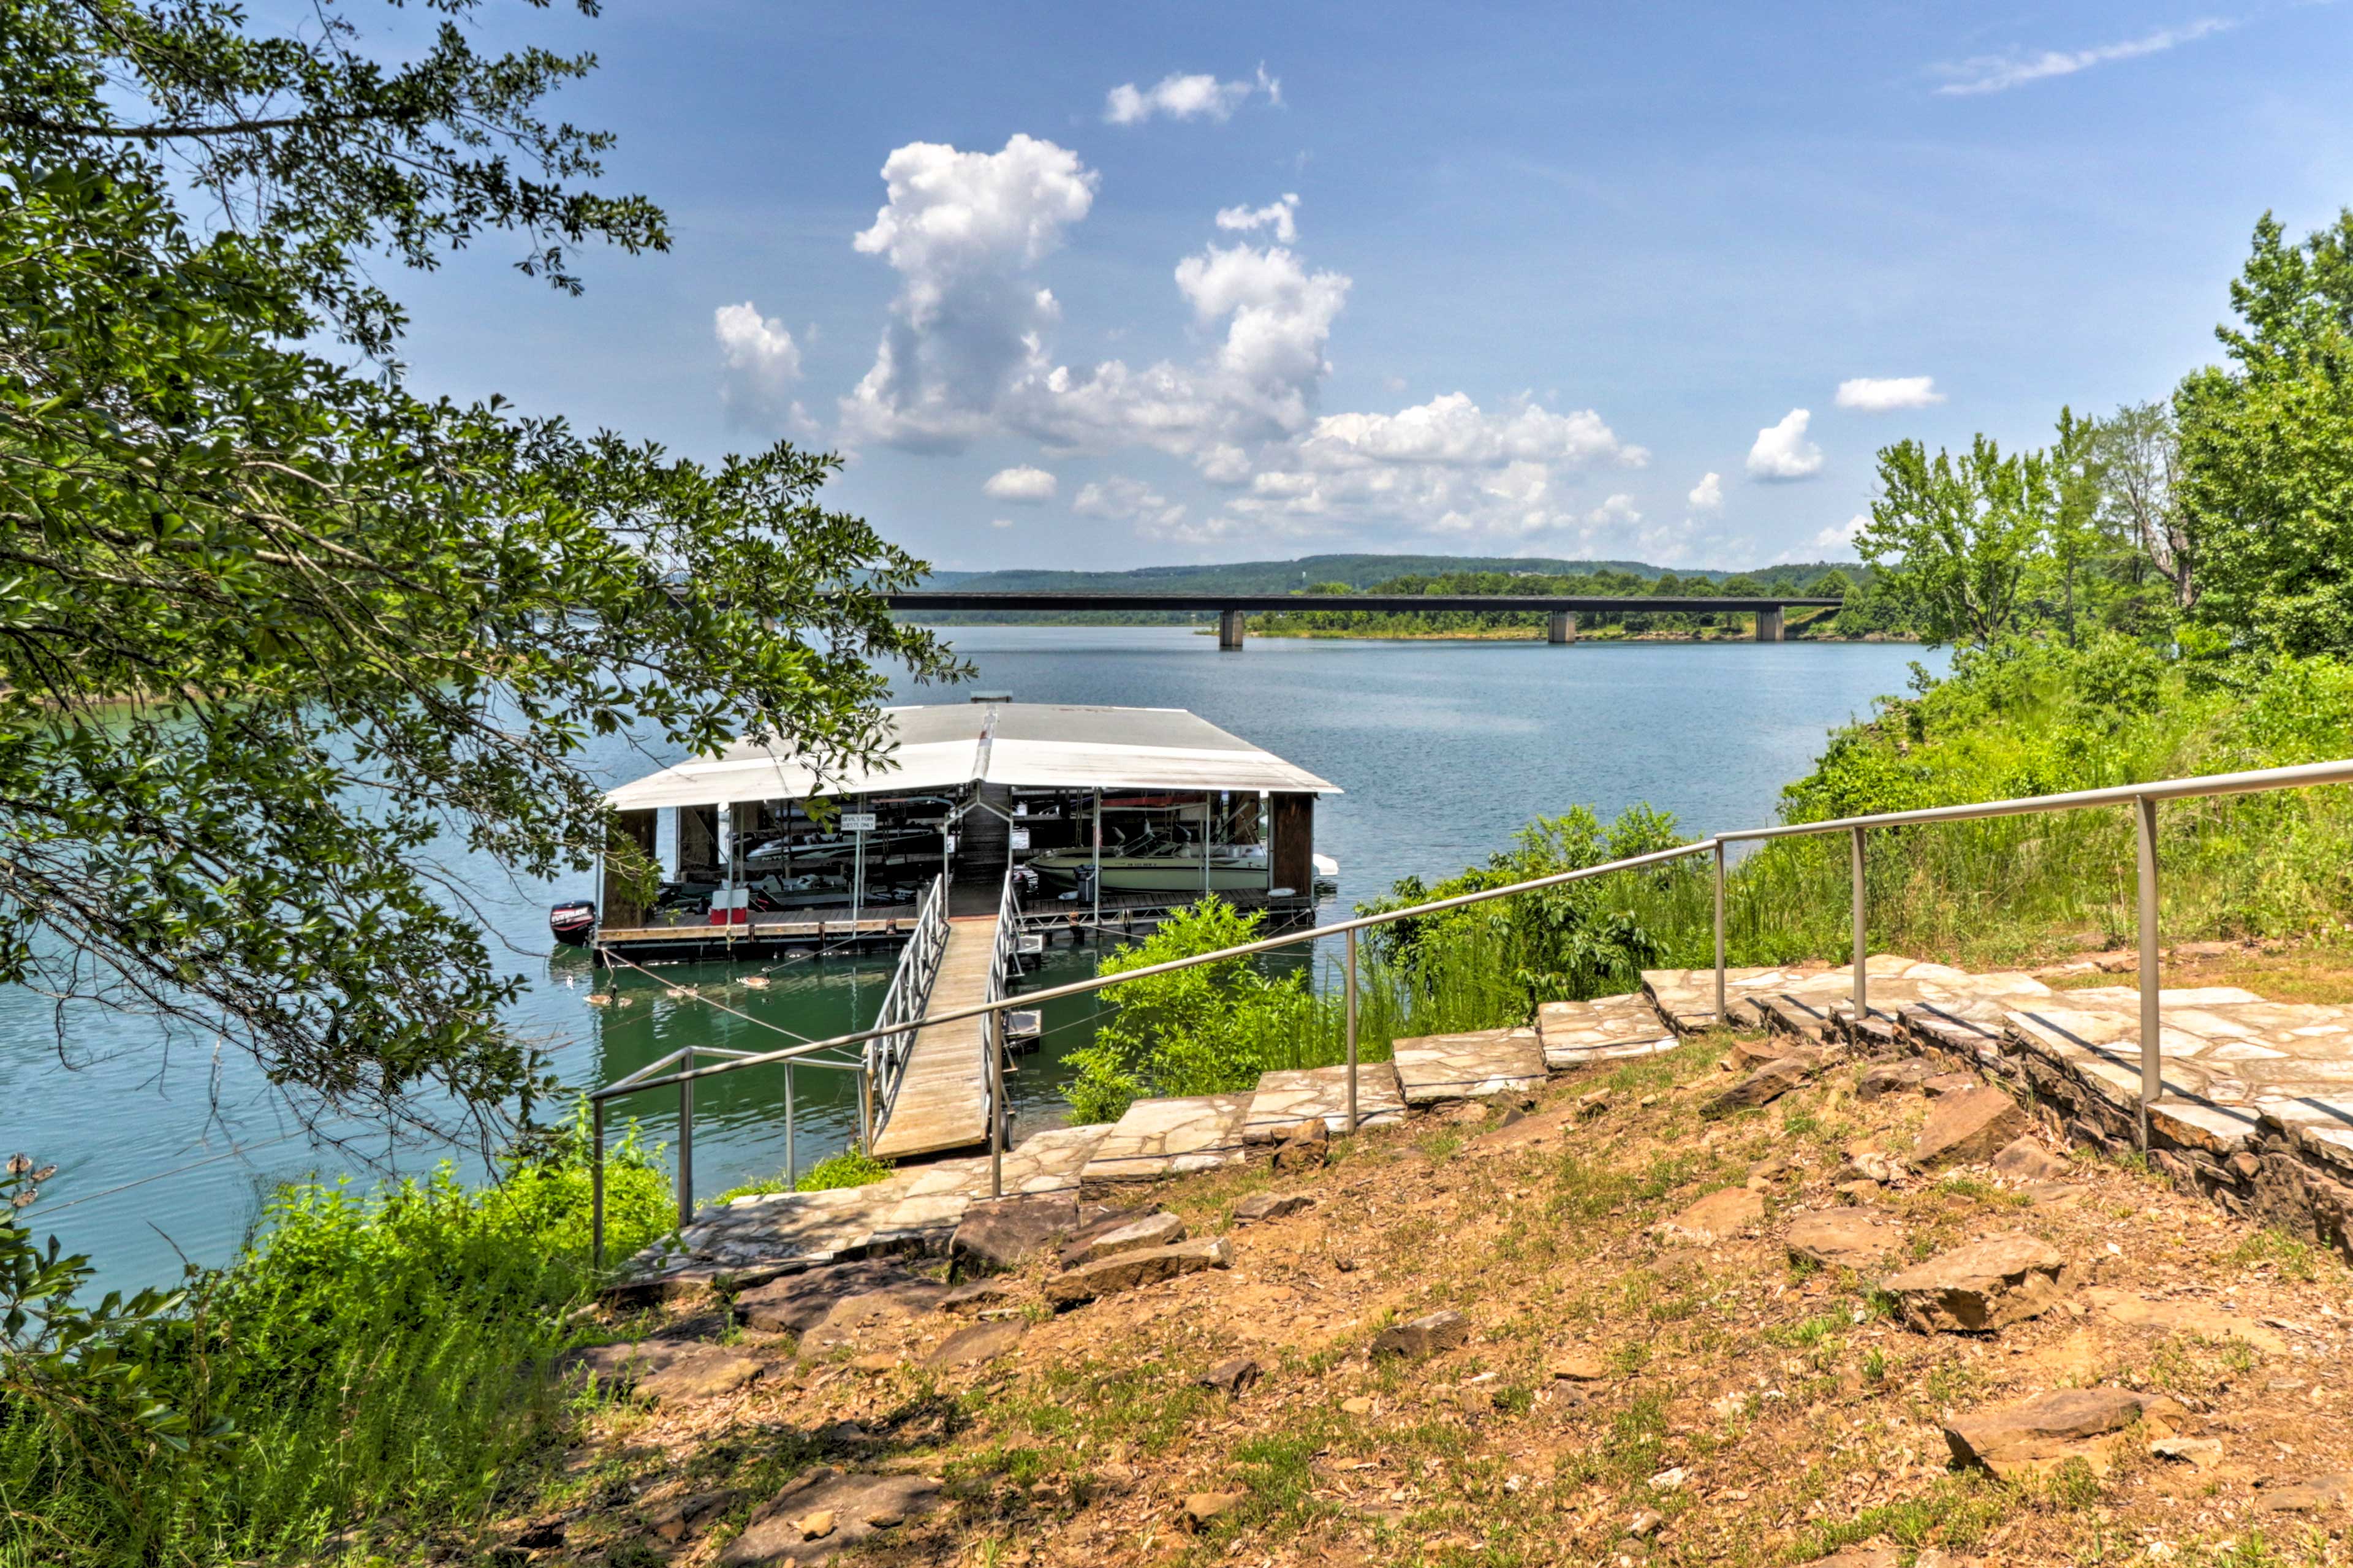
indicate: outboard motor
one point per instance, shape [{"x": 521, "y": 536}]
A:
[{"x": 574, "y": 923}]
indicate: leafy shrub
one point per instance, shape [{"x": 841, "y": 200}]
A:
[
  {"x": 369, "y": 1353},
  {"x": 850, "y": 1168}
]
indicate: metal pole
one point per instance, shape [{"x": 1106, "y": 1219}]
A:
[
  {"x": 992, "y": 1040},
  {"x": 2152, "y": 1080},
  {"x": 792, "y": 1165},
  {"x": 866, "y": 1104},
  {"x": 1095, "y": 881},
  {"x": 686, "y": 1145},
  {"x": 1352, "y": 1031},
  {"x": 1719, "y": 933},
  {"x": 596, "y": 1185},
  {"x": 1861, "y": 979}
]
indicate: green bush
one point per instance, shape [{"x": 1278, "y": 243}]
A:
[
  {"x": 369, "y": 1355},
  {"x": 850, "y": 1168}
]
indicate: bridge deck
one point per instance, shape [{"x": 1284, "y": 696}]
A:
[{"x": 942, "y": 1097}]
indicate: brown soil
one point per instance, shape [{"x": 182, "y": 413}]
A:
[{"x": 1766, "y": 1412}]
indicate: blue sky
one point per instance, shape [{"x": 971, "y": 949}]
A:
[{"x": 1491, "y": 281}]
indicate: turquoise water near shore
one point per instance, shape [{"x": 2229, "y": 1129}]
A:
[{"x": 167, "y": 1150}]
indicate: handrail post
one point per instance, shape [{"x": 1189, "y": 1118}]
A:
[
  {"x": 1862, "y": 976},
  {"x": 1352, "y": 1029},
  {"x": 2152, "y": 1077},
  {"x": 686, "y": 1145},
  {"x": 596, "y": 1185},
  {"x": 992, "y": 1040},
  {"x": 792, "y": 1165},
  {"x": 1720, "y": 1019},
  {"x": 866, "y": 1102}
]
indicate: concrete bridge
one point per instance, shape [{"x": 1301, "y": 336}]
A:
[{"x": 1561, "y": 610}]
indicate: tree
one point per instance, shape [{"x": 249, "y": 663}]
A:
[
  {"x": 2076, "y": 547},
  {"x": 2265, "y": 484},
  {"x": 2136, "y": 451},
  {"x": 1955, "y": 537},
  {"x": 271, "y": 625}
]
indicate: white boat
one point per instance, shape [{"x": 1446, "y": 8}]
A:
[{"x": 1158, "y": 864}]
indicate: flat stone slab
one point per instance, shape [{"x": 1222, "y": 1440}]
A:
[
  {"x": 1433, "y": 1068},
  {"x": 1128, "y": 1270},
  {"x": 1573, "y": 1034},
  {"x": 826, "y": 1512},
  {"x": 1988, "y": 1284},
  {"x": 1161, "y": 1138},
  {"x": 2038, "y": 1435},
  {"x": 1685, "y": 998},
  {"x": 1716, "y": 1217},
  {"x": 664, "y": 1371},
  {"x": 1842, "y": 1238},
  {"x": 1289, "y": 1096}
]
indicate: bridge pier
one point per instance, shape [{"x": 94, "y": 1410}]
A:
[
  {"x": 1769, "y": 624},
  {"x": 1231, "y": 625},
  {"x": 1561, "y": 629}
]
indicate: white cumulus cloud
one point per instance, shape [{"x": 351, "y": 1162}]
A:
[
  {"x": 1842, "y": 535},
  {"x": 1282, "y": 216},
  {"x": 1782, "y": 452},
  {"x": 1025, "y": 485},
  {"x": 1881, "y": 395},
  {"x": 962, "y": 230},
  {"x": 1123, "y": 499},
  {"x": 1708, "y": 494},
  {"x": 2000, "y": 73},
  {"x": 1177, "y": 95},
  {"x": 758, "y": 363}
]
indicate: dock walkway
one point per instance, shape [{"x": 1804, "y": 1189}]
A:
[{"x": 942, "y": 1097}]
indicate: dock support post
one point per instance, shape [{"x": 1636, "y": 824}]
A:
[
  {"x": 2152, "y": 1077},
  {"x": 1230, "y": 626},
  {"x": 1769, "y": 624},
  {"x": 686, "y": 1145},
  {"x": 1862, "y": 978},
  {"x": 992, "y": 1040},
  {"x": 1720, "y": 1018},
  {"x": 597, "y": 1186},
  {"x": 1352, "y": 1029},
  {"x": 1560, "y": 628}
]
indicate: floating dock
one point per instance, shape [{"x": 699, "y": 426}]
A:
[{"x": 941, "y": 1099}]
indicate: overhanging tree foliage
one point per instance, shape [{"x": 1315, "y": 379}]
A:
[{"x": 270, "y": 626}]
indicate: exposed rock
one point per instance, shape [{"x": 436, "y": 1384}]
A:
[
  {"x": 1859, "y": 1557},
  {"x": 1968, "y": 1127},
  {"x": 1423, "y": 1336},
  {"x": 1201, "y": 1508},
  {"x": 1231, "y": 1377},
  {"x": 2024, "y": 1160},
  {"x": 2041, "y": 1433},
  {"x": 1127, "y": 1270},
  {"x": 798, "y": 1302},
  {"x": 1645, "y": 1524},
  {"x": 541, "y": 1534},
  {"x": 824, "y": 1512},
  {"x": 1767, "y": 1084},
  {"x": 1774, "y": 1048},
  {"x": 1578, "y": 1368},
  {"x": 980, "y": 1296},
  {"x": 1842, "y": 1238},
  {"x": 1270, "y": 1206},
  {"x": 980, "y": 1342},
  {"x": 1132, "y": 1233},
  {"x": 663, "y": 1370},
  {"x": 1307, "y": 1147},
  {"x": 2315, "y": 1494},
  {"x": 2202, "y": 1452},
  {"x": 1721, "y": 1214},
  {"x": 1987, "y": 1284},
  {"x": 1860, "y": 1191},
  {"x": 1944, "y": 1083},
  {"x": 854, "y": 1322},
  {"x": 2182, "y": 1317},
  {"x": 1892, "y": 1078},
  {"x": 673, "y": 1520},
  {"x": 1001, "y": 1234}
]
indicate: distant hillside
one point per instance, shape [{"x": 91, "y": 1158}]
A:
[{"x": 1290, "y": 576}]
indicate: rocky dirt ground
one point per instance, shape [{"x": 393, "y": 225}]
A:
[{"x": 1631, "y": 1318}]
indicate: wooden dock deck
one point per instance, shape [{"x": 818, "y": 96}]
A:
[{"x": 943, "y": 1096}]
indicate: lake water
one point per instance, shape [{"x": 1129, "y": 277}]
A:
[{"x": 1443, "y": 749}]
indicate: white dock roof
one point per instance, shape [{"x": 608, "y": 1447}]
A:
[{"x": 1039, "y": 745}]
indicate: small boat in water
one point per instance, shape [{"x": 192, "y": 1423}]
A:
[{"x": 1159, "y": 863}]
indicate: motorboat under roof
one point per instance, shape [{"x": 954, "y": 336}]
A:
[{"x": 1033, "y": 745}]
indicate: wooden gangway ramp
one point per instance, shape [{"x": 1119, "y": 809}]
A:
[{"x": 942, "y": 1095}]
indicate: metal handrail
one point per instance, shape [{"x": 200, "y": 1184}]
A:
[
  {"x": 902, "y": 1012},
  {"x": 1001, "y": 957},
  {"x": 2143, "y": 797}
]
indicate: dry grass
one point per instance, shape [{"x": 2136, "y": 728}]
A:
[{"x": 1802, "y": 1419}]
